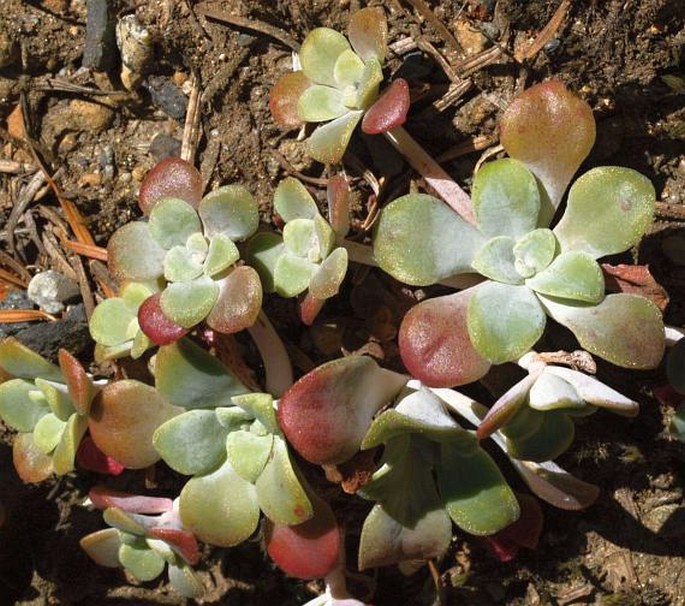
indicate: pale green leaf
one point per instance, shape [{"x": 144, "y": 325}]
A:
[
  {"x": 263, "y": 251},
  {"x": 48, "y": 432},
  {"x": 103, "y": 547},
  {"x": 319, "y": 53},
  {"x": 292, "y": 275},
  {"x": 142, "y": 562},
  {"x": 327, "y": 279},
  {"x": 230, "y": 210},
  {"x": 221, "y": 255},
  {"x": 112, "y": 321},
  {"x": 550, "y": 391},
  {"x": 188, "y": 303},
  {"x": 299, "y": 238},
  {"x": 293, "y": 201},
  {"x": 348, "y": 70},
  {"x": 320, "y": 103},
  {"x": 64, "y": 456},
  {"x": 238, "y": 303},
  {"x": 534, "y": 252},
  {"x": 552, "y": 438},
  {"x": 248, "y": 453},
  {"x": 17, "y": 408},
  {"x": 261, "y": 407},
  {"x": 327, "y": 144},
  {"x": 133, "y": 254},
  {"x": 495, "y": 260},
  {"x": 172, "y": 221},
  {"x": 572, "y": 275},
  {"x": 371, "y": 78},
  {"x": 182, "y": 265},
  {"x": 23, "y": 363},
  {"x": 184, "y": 580}
]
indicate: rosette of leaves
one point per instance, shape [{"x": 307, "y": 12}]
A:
[
  {"x": 145, "y": 537},
  {"x": 339, "y": 84},
  {"x": 536, "y": 416},
  {"x": 228, "y": 440},
  {"x": 305, "y": 259},
  {"x": 531, "y": 272},
  {"x": 190, "y": 249},
  {"x": 47, "y": 405},
  {"x": 432, "y": 473}
]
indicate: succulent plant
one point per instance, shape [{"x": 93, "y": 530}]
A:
[
  {"x": 47, "y": 405},
  {"x": 530, "y": 271},
  {"x": 305, "y": 258},
  {"x": 228, "y": 440},
  {"x": 145, "y": 537},
  {"x": 187, "y": 247},
  {"x": 339, "y": 81}
]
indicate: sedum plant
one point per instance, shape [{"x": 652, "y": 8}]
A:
[
  {"x": 339, "y": 84},
  {"x": 530, "y": 271},
  {"x": 305, "y": 259},
  {"x": 48, "y": 406},
  {"x": 145, "y": 536},
  {"x": 188, "y": 247}
]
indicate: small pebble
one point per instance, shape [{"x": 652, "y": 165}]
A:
[
  {"x": 50, "y": 290},
  {"x": 167, "y": 96},
  {"x": 164, "y": 146},
  {"x": 99, "y": 50},
  {"x": 90, "y": 116}
]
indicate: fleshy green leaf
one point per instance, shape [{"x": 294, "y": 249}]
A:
[
  {"x": 221, "y": 255},
  {"x": 261, "y": 407},
  {"x": 293, "y": 201},
  {"x": 572, "y": 275},
  {"x": 113, "y": 321},
  {"x": 327, "y": 279},
  {"x": 609, "y": 209},
  {"x": 506, "y": 199},
  {"x": 506, "y": 407},
  {"x": 552, "y": 438},
  {"x": 184, "y": 580},
  {"x": 299, "y": 238},
  {"x": 187, "y": 375},
  {"x": 347, "y": 73},
  {"x": 327, "y": 144},
  {"x": 181, "y": 265},
  {"x": 48, "y": 431},
  {"x": 31, "y": 463},
  {"x": 325, "y": 238},
  {"x": 320, "y": 103},
  {"x": 57, "y": 398},
  {"x": 23, "y": 363},
  {"x": 188, "y": 303},
  {"x": 550, "y": 392},
  {"x": 220, "y": 508},
  {"x": 172, "y": 221},
  {"x": 65, "y": 453},
  {"x": 142, "y": 562},
  {"x": 292, "y": 275},
  {"x": 230, "y": 210},
  {"x": 534, "y": 252},
  {"x": 17, "y": 408},
  {"x": 248, "y": 453},
  {"x": 263, "y": 251},
  {"x": 103, "y": 547},
  {"x": 475, "y": 493},
  {"x": 192, "y": 443},
  {"x": 435, "y": 345},
  {"x": 627, "y": 330},
  {"x": 551, "y": 131},
  {"x": 386, "y": 541},
  {"x": 495, "y": 260},
  {"x": 279, "y": 492},
  {"x": 133, "y": 255},
  {"x": 504, "y": 321},
  {"x": 419, "y": 240},
  {"x": 368, "y": 33},
  {"x": 238, "y": 303},
  {"x": 371, "y": 78},
  {"x": 320, "y": 50}
]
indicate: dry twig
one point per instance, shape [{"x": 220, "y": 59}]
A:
[{"x": 545, "y": 34}]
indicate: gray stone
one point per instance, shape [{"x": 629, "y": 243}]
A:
[
  {"x": 50, "y": 290},
  {"x": 100, "y": 49}
]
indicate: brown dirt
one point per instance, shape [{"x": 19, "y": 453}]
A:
[{"x": 626, "y": 57}]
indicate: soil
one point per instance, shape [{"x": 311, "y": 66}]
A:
[{"x": 625, "y": 57}]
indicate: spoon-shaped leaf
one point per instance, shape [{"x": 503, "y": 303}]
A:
[
  {"x": 31, "y": 463},
  {"x": 220, "y": 508},
  {"x": 292, "y": 274},
  {"x": 64, "y": 456},
  {"x": 506, "y": 199},
  {"x": 627, "y": 330},
  {"x": 572, "y": 275},
  {"x": 23, "y": 363},
  {"x": 248, "y": 453},
  {"x": 326, "y": 281},
  {"x": 320, "y": 50},
  {"x": 18, "y": 408},
  {"x": 368, "y": 33},
  {"x": 192, "y": 443},
  {"x": 552, "y": 437},
  {"x": 551, "y": 131},
  {"x": 293, "y": 201},
  {"x": 319, "y": 103},
  {"x": 80, "y": 386},
  {"x": 185, "y": 581},
  {"x": 326, "y": 414},
  {"x": 155, "y": 324},
  {"x": 620, "y": 203},
  {"x": 496, "y": 260},
  {"x": 238, "y": 303},
  {"x": 419, "y": 240},
  {"x": 48, "y": 431},
  {"x": 172, "y": 222},
  {"x": 133, "y": 255},
  {"x": 328, "y": 142},
  {"x": 534, "y": 251},
  {"x": 170, "y": 178},
  {"x": 285, "y": 96},
  {"x": 188, "y": 303},
  {"x": 103, "y": 547},
  {"x": 123, "y": 419},
  {"x": 141, "y": 561},
  {"x": 551, "y": 392},
  {"x": 263, "y": 251},
  {"x": 504, "y": 321},
  {"x": 386, "y": 541},
  {"x": 389, "y": 110},
  {"x": 230, "y": 210},
  {"x": 435, "y": 345}
]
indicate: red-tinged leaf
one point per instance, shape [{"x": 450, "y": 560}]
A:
[
  {"x": 551, "y": 131},
  {"x": 284, "y": 98},
  {"x": 389, "y": 111},
  {"x": 309, "y": 550},
  {"x": 170, "y": 178},
  {"x": 182, "y": 541},
  {"x": 239, "y": 301},
  {"x": 79, "y": 384},
  {"x": 368, "y": 33},
  {"x": 435, "y": 345},
  {"x": 338, "y": 196},
  {"x": 309, "y": 308},
  {"x": 525, "y": 532},
  {"x": 156, "y": 325},
  {"x": 104, "y": 497},
  {"x": 637, "y": 280},
  {"x": 90, "y": 457},
  {"x": 31, "y": 463},
  {"x": 326, "y": 414}
]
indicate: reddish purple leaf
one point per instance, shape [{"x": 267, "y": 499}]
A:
[
  {"x": 309, "y": 308},
  {"x": 156, "y": 325},
  {"x": 182, "y": 541},
  {"x": 435, "y": 345},
  {"x": 80, "y": 386},
  {"x": 525, "y": 532},
  {"x": 309, "y": 550},
  {"x": 90, "y": 457},
  {"x": 103, "y": 497},
  {"x": 338, "y": 196},
  {"x": 170, "y": 178},
  {"x": 389, "y": 111}
]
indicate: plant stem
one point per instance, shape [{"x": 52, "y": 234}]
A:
[
  {"x": 279, "y": 371},
  {"x": 432, "y": 172}
]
